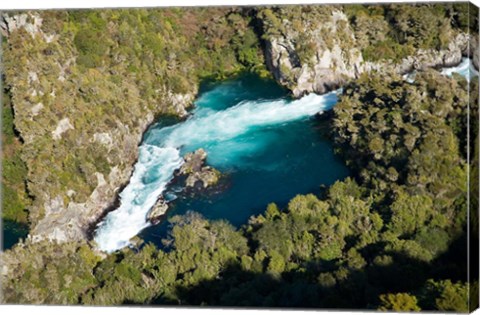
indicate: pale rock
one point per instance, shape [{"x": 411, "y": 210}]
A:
[
  {"x": 180, "y": 102},
  {"x": 32, "y": 77},
  {"x": 4, "y": 270},
  {"x": 157, "y": 211},
  {"x": 196, "y": 172},
  {"x": 100, "y": 179},
  {"x": 327, "y": 68},
  {"x": 330, "y": 67},
  {"x": 37, "y": 108},
  {"x": 11, "y": 23},
  {"x": 49, "y": 38},
  {"x": 70, "y": 193},
  {"x": 103, "y": 138},
  {"x": 63, "y": 126},
  {"x": 63, "y": 69},
  {"x": 70, "y": 223},
  {"x": 54, "y": 206}
]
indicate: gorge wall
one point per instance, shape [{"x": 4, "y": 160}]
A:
[
  {"x": 318, "y": 49},
  {"x": 85, "y": 85},
  {"x": 84, "y": 88}
]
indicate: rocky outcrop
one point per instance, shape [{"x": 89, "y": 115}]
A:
[
  {"x": 474, "y": 53},
  {"x": 63, "y": 126},
  {"x": 79, "y": 149},
  {"x": 71, "y": 221},
  {"x": 30, "y": 22},
  {"x": 81, "y": 126},
  {"x": 315, "y": 58},
  {"x": 196, "y": 171},
  {"x": 322, "y": 56},
  {"x": 157, "y": 211},
  {"x": 193, "y": 176},
  {"x": 425, "y": 58}
]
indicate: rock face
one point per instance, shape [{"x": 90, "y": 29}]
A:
[
  {"x": 77, "y": 157},
  {"x": 65, "y": 222},
  {"x": 196, "y": 171},
  {"x": 29, "y": 22},
  {"x": 324, "y": 65},
  {"x": 319, "y": 57},
  {"x": 194, "y": 175},
  {"x": 475, "y": 51},
  {"x": 424, "y": 59},
  {"x": 81, "y": 126}
]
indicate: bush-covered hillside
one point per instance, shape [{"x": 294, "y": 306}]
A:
[
  {"x": 86, "y": 84},
  {"x": 80, "y": 88},
  {"x": 393, "y": 237}
]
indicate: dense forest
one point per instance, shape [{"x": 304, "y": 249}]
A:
[{"x": 392, "y": 236}]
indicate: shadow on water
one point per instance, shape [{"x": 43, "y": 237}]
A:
[{"x": 12, "y": 233}]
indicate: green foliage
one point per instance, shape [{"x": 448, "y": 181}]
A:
[
  {"x": 465, "y": 16},
  {"x": 423, "y": 26},
  {"x": 107, "y": 71},
  {"x": 8, "y": 133},
  {"x": 387, "y": 49},
  {"x": 395, "y": 31},
  {"x": 446, "y": 296},
  {"x": 409, "y": 213},
  {"x": 50, "y": 274},
  {"x": 14, "y": 170},
  {"x": 371, "y": 240},
  {"x": 400, "y": 302}
]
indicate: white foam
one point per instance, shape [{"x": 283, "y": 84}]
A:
[
  {"x": 159, "y": 155},
  {"x": 153, "y": 171},
  {"x": 465, "y": 69}
]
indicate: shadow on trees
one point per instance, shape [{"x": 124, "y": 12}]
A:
[{"x": 360, "y": 289}]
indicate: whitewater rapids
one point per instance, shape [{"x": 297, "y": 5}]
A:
[
  {"x": 215, "y": 129},
  {"x": 161, "y": 154}
]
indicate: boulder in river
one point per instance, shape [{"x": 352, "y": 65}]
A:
[
  {"x": 193, "y": 174},
  {"x": 196, "y": 171},
  {"x": 157, "y": 211}
]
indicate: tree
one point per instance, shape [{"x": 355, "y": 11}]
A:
[{"x": 400, "y": 302}]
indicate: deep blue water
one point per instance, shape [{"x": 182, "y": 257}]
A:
[
  {"x": 12, "y": 233},
  {"x": 268, "y": 146},
  {"x": 271, "y": 163}
]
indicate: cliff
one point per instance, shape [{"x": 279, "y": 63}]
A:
[
  {"x": 318, "y": 48},
  {"x": 314, "y": 52},
  {"x": 86, "y": 85}
]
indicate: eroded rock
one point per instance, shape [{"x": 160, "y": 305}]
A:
[
  {"x": 63, "y": 125},
  {"x": 196, "y": 171},
  {"x": 194, "y": 175},
  {"x": 157, "y": 211},
  {"x": 333, "y": 59},
  {"x": 328, "y": 65}
]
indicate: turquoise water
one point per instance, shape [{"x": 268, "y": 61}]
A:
[
  {"x": 295, "y": 159},
  {"x": 267, "y": 145},
  {"x": 267, "y": 163}
]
